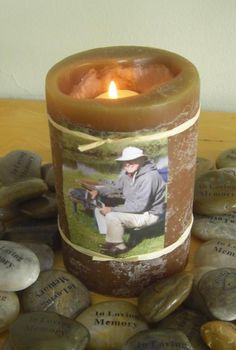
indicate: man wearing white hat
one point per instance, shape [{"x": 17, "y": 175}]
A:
[{"x": 144, "y": 192}]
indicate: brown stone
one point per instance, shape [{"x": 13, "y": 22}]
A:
[{"x": 219, "y": 335}]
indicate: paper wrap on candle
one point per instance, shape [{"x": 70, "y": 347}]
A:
[{"x": 88, "y": 136}]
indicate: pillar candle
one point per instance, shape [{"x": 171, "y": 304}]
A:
[{"x": 93, "y": 138}]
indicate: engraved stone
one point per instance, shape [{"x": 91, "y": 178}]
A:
[
  {"x": 43, "y": 252},
  {"x": 231, "y": 171},
  {"x": 217, "y": 226},
  {"x": 47, "y": 330},
  {"x": 43, "y": 207},
  {"x": 219, "y": 335},
  {"x": 56, "y": 291},
  {"x": 203, "y": 165},
  {"x": 26, "y": 229},
  {"x": 9, "y": 309},
  {"x": 188, "y": 322},
  {"x": 111, "y": 324},
  {"x": 21, "y": 191},
  {"x": 215, "y": 193},
  {"x": 163, "y": 297},
  {"x": 227, "y": 159},
  {"x": 167, "y": 339},
  {"x": 217, "y": 253},
  {"x": 19, "y": 266},
  {"x": 19, "y": 165},
  {"x": 218, "y": 290}
]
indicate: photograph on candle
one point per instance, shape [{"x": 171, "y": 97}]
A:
[{"x": 115, "y": 194}]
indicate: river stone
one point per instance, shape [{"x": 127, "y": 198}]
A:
[
  {"x": 19, "y": 266},
  {"x": 43, "y": 207},
  {"x": 47, "y": 330},
  {"x": 203, "y": 165},
  {"x": 111, "y": 324},
  {"x": 217, "y": 226},
  {"x": 163, "y": 297},
  {"x": 188, "y": 322},
  {"x": 56, "y": 291},
  {"x": 231, "y": 171},
  {"x": 218, "y": 290},
  {"x": 217, "y": 253},
  {"x": 43, "y": 252},
  {"x": 219, "y": 335},
  {"x": 8, "y": 213},
  {"x": 227, "y": 159},
  {"x": 26, "y": 229},
  {"x": 168, "y": 339},
  {"x": 19, "y": 165},
  {"x": 215, "y": 193},
  {"x": 9, "y": 309},
  {"x": 47, "y": 172},
  {"x": 21, "y": 191}
]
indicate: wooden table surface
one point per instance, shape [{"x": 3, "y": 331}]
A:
[{"x": 23, "y": 125}]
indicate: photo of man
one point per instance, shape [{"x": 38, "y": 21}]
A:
[{"x": 143, "y": 190}]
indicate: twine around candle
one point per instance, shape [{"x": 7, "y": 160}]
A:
[{"x": 98, "y": 141}]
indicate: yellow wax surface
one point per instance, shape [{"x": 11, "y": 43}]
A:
[{"x": 120, "y": 94}]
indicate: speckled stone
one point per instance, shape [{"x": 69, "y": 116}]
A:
[
  {"x": 56, "y": 291},
  {"x": 219, "y": 335},
  {"x": 203, "y": 165},
  {"x": 43, "y": 252},
  {"x": 227, "y": 159},
  {"x": 21, "y": 191},
  {"x": 111, "y": 324},
  {"x": 188, "y": 322},
  {"x": 217, "y": 253},
  {"x": 215, "y": 193},
  {"x": 19, "y": 267},
  {"x": 19, "y": 165},
  {"x": 43, "y": 207},
  {"x": 218, "y": 290},
  {"x": 47, "y": 330},
  {"x": 26, "y": 229},
  {"x": 163, "y": 297},
  {"x": 217, "y": 226},
  {"x": 9, "y": 309},
  {"x": 167, "y": 339}
]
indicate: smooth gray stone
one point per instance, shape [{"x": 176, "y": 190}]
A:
[
  {"x": 231, "y": 171},
  {"x": 21, "y": 191},
  {"x": 218, "y": 290},
  {"x": 47, "y": 172},
  {"x": 43, "y": 207},
  {"x": 43, "y": 252},
  {"x": 215, "y": 193},
  {"x": 216, "y": 252},
  {"x": 111, "y": 324},
  {"x": 9, "y": 309},
  {"x": 167, "y": 339},
  {"x": 19, "y": 266},
  {"x": 212, "y": 227},
  {"x": 227, "y": 159},
  {"x": 19, "y": 165},
  {"x": 203, "y": 165},
  {"x": 26, "y": 229},
  {"x": 189, "y": 322},
  {"x": 47, "y": 330},
  {"x": 56, "y": 291},
  {"x": 163, "y": 297}
]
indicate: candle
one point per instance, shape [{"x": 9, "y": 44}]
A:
[
  {"x": 114, "y": 93},
  {"x": 100, "y": 142}
]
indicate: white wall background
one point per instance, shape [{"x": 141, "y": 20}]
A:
[{"x": 35, "y": 34}]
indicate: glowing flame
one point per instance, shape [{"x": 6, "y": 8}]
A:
[{"x": 112, "y": 90}]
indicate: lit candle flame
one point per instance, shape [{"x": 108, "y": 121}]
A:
[{"x": 112, "y": 91}]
